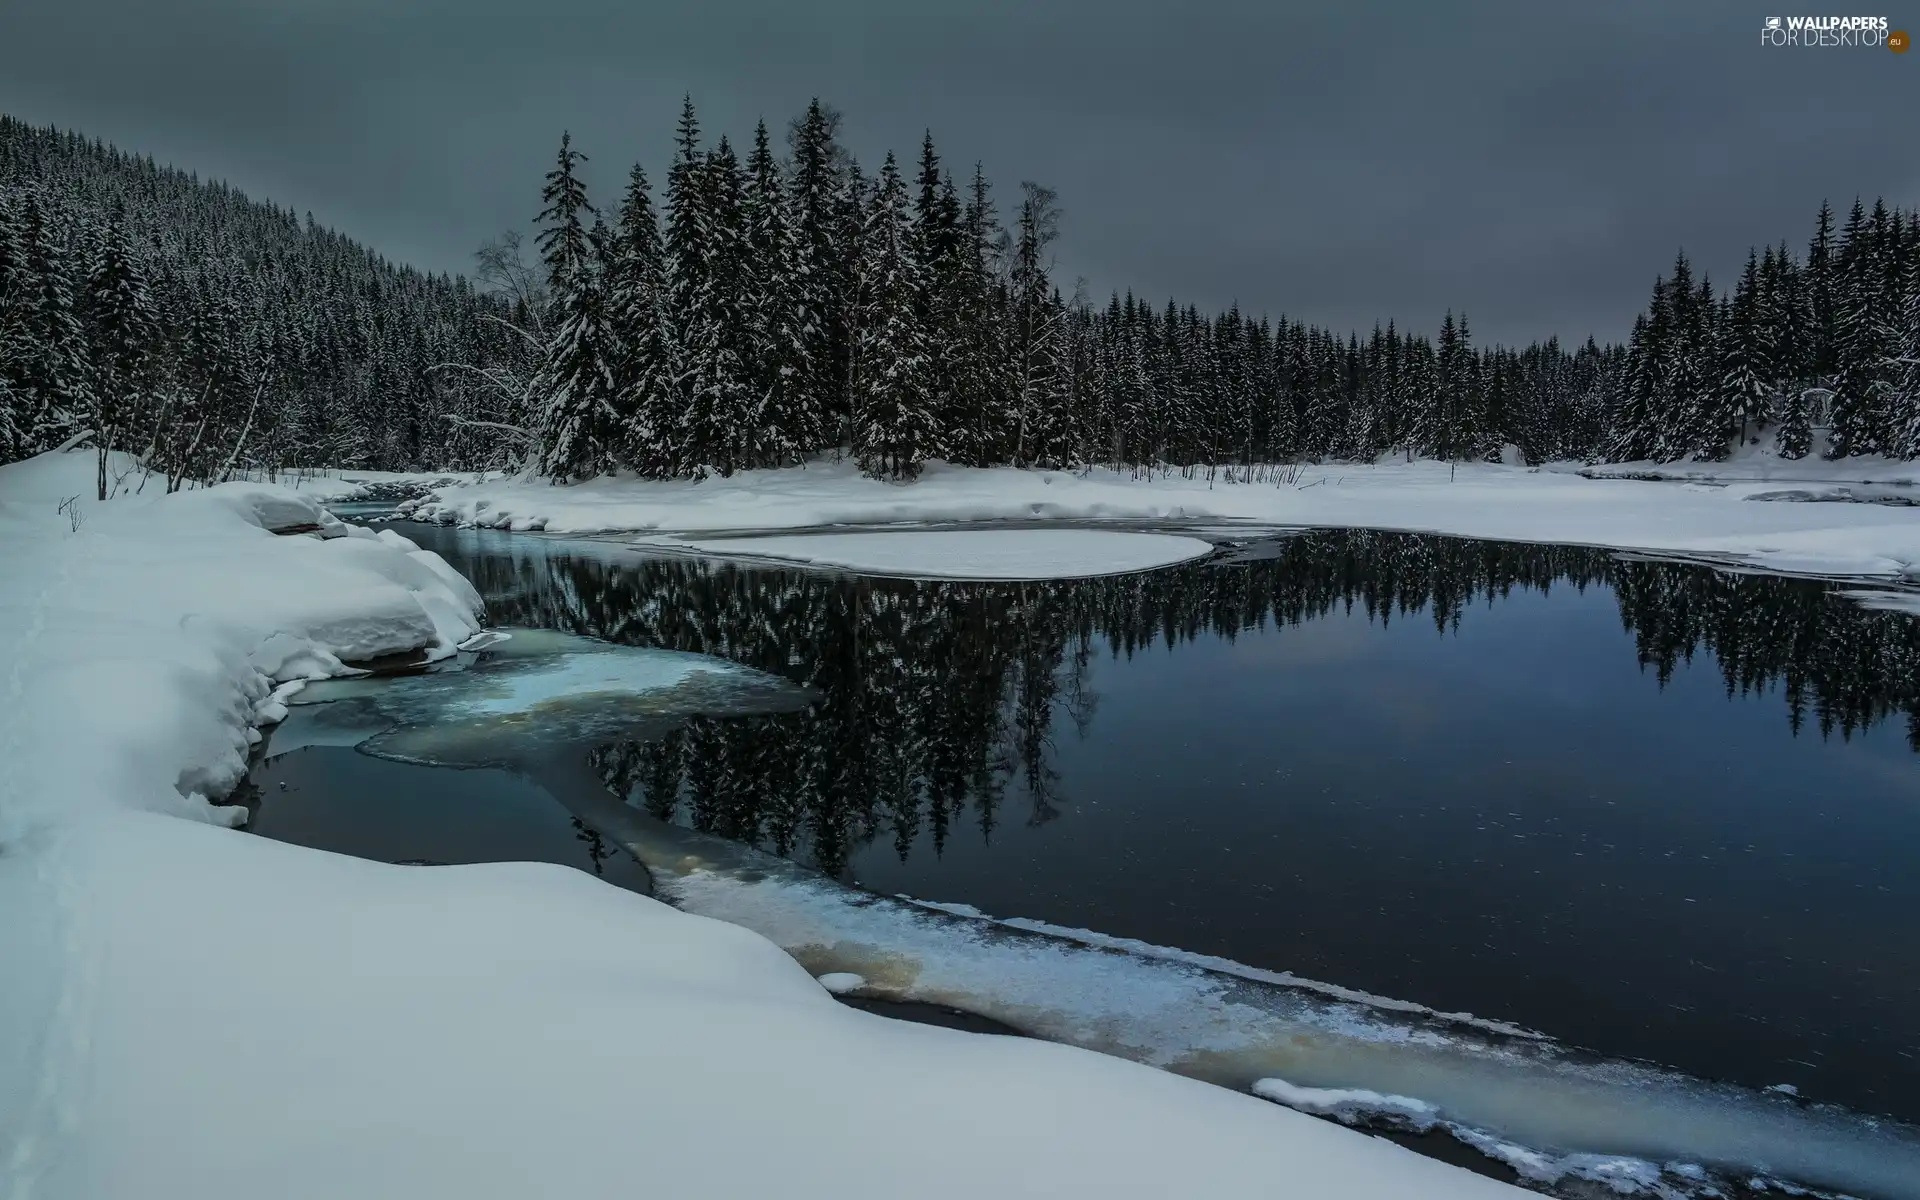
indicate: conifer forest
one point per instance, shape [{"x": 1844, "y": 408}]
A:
[{"x": 758, "y": 304}]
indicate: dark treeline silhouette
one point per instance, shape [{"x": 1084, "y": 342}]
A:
[
  {"x": 786, "y": 302},
  {"x": 941, "y": 700},
  {"x": 784, "y": 309}
]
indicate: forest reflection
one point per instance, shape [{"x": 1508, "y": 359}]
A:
[{"x": 939, "y": 699}]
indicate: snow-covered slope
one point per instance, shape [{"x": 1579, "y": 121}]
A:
[
  {"x": 189, "y": 1011},
  {"x": 1720, "y": 521}
]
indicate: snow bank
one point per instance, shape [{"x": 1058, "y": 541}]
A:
[
  {"x": 141, "y": 647},
  {"x": 1474, "y": 500},
  {"x": 192, "y": 1011},
  {"x": 967, "y": 554},
  {"x": 1760, "y": 461}
]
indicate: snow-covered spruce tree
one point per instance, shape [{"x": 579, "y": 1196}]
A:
[
  {"x": 1452, "y": 359},
  {"x": 1419, "y": 397},
  {"x": 1740, "y": 391},
  {"x": 14, "y": 419},
  {"x": 786, "y": 424},
  {"x": 685, "y": 258},
  {"x": 939, "y": 240},
  {"x": 638, "y": 321},
  {"x": 851, "y": 209},
  {"x": 578, "y": 426},
  {"x": 1778, "y": 330},
  {"x": 1858, "y": 352},
  {"x": 1684, "y": 372},
  {"x": 124, "y": 331},
  {"x": 1902, "y": 336},
  {"x": 717, "y": 427},
  {"x": 1795, "y": 435},
  {"x": 982, "y": 409},
  {"x": 1038, "y": 335},
  {"x": 706, "y": 304},
  {"x": 822, "y": 272},
  {"x": 893, "y": 410},
  {"x": 52, "y": 347}
]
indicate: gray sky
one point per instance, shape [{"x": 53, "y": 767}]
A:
[{"x": 1534, "y": 162}]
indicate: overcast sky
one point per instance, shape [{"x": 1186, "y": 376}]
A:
[{"x": 1534, "y": 163}]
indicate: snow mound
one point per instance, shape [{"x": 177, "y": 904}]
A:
[{"x": 143, "y": 645}]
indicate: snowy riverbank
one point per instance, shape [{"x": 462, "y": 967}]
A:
[
  {"x": 193, "y": 1011},
  {"x": 1724, "y": 516}
]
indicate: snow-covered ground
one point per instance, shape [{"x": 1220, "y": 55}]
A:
[
  {"x": 187, "y": 1010},
  {"x": 1748, "y": 522},
  {"x": 1760, "y": 462},
  {"x": 964, "y": 553}
]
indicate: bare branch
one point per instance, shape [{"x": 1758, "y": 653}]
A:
[{"x": 513, "y": 431}]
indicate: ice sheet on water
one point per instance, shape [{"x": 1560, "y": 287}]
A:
[
  {"x": 1350, "y": 1106},
  {"x": 1526, "y": 1100},
  {"x": 523, "y": 695}
]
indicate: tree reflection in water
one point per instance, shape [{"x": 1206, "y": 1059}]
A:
[{"x": 937, "y": 697}]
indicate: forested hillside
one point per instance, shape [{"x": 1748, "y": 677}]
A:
[
  {"x": 785, "y": 301},
  {"x": 180, "y": 320}
]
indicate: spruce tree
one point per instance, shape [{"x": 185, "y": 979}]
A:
[
  {"x": 820, "y": 274},
  {"x": 579, "y": 429},
  {"x": 1795, "y": 437},
  {"x": 14, "y": 419},
  {"x": 1903, "y": 340},
  {"x": 686, "y": 257},
  {"x": 637, "y": 320},
  {"x": 53, "y": 342},
  {"x": 982, "y": 408},
  {"x": 718, "y": 429},
  {"x": 1858, "y": 352},
  {"x": 893, "y": 417},
  {"x": 1038, "y": 336},
  {"x": 1738, "y": 397},
  {"x": 779, "y": 333},
  {"x": 124, "y": 332},
  {"x": 939, "y": 241},
  {"x": 1822, "y": 285}
]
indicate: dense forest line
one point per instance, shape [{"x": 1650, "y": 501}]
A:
[
  {"x": 785, "y": 309},
  {"x": 783, "y": 303},
  {"x": 940, "y": 703}
]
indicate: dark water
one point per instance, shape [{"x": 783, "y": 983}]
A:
[
  {"x": 338, "y": 800},
  {"x": 1652, "y": 810}
]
